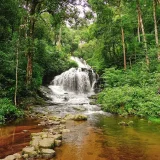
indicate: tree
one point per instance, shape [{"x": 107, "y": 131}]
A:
[
  {"x": 143, "y": 32},
  {"x": 34, "y": 9},
  {"x": 155, "y": 26}
]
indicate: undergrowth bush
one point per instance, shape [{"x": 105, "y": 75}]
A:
[
  {"x": 8, "y": 111},
  {"x": 131, "y": 92}
]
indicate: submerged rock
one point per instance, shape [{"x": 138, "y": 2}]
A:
[
  {"x": 125, "y": 123},
  {"x": 130, "y": 122},
  {"x": 48, "y": 153},
  {"x": 122, "y": 123}
]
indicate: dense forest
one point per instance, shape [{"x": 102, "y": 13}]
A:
[{"x": 118, "y": 38}]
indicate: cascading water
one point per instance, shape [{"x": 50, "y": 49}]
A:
[
  {"x": 71, "y": 89},
  {"x": 74, "y": 85},
  {"x": 78, "y": 80}
]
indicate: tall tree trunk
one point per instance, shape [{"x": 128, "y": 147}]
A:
[
  {"x": 143, "y": 32},
  {"x": 138, "y": 29},
  {"x": 124, "y": 50},
  {"x": 29, "y": 68},
  {"x": 30, "y": 51},
  {"x": 31, "y": 40},
  {"x": 17, "y": 63},
  {"x": 122, "y": 35},
  {"x": 59, "y": 39},
  {"x": 155, "y": 27}
]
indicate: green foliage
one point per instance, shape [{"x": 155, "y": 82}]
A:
[
  {"x": 9, "y": 17},
  {"x": 154, "y": 119},
  {"x": 50, "y": 62},
  {"x": 131, "y": 92},
  {"x": 8, "y": 111}
]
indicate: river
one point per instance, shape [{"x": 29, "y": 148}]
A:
[{"x": 99, "y": 138}]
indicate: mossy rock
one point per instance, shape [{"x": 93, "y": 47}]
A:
[
  {"x": 80, "y": 117},
  {"x": 94, "y": 96},
  {"x": 92, "y": 103}
]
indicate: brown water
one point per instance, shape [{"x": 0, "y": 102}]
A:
[
  {"x": 15, "y": 137},
  {"x": 104, "y": 139},
  {"x": 99, "y": 138}
]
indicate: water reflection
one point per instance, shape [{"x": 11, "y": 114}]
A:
[
  {"x": 103, "y": 139},
  {"x": 15, "y": 137}
]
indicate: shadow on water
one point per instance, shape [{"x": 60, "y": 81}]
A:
[{"x": 14, "y": 137}]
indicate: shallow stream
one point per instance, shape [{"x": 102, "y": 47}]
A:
[{"x": 99, "y": 138}]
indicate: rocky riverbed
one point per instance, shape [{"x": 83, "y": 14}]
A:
[{"x": 42, "y": 144}]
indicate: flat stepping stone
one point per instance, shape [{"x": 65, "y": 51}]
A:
[
  {"x": 30, "y": 151},
  {"x": 10, "y": 157},
  {"x": 46, "y": 143}
]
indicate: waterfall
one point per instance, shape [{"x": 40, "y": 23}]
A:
[
  {"x": 70, "y": 91},
  {"x": 79, "y": 80}
]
